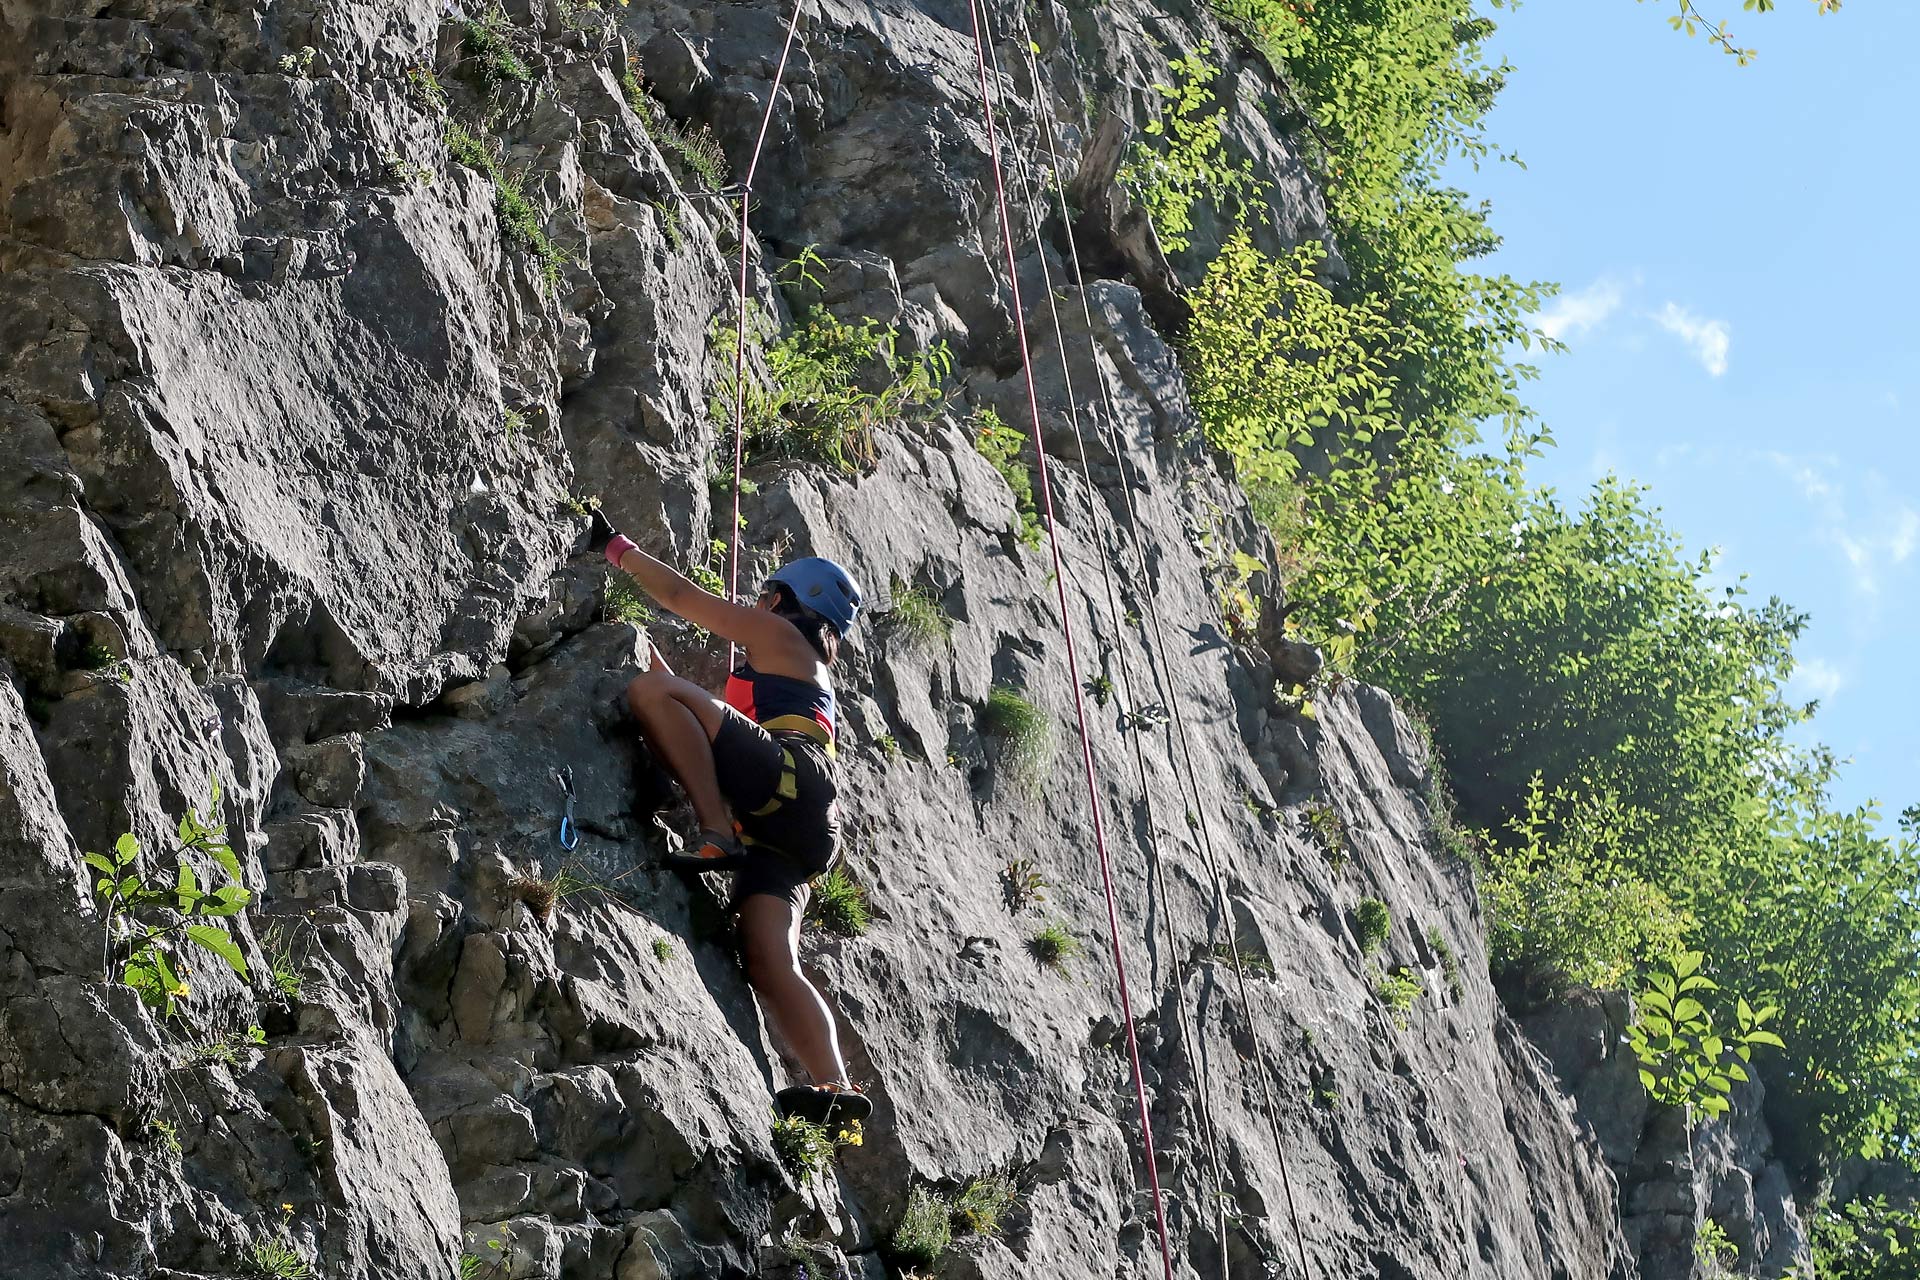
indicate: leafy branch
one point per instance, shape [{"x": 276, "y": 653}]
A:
[
  {"x": 1690, "y": 20},
  {"x": 140, "y": 945},
  {"x": 1683, "y": 1062}
]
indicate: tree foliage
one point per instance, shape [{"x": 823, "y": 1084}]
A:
[{"x": 1614, "y": 716}]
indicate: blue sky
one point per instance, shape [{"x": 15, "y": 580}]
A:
[{"x": 1739, "y": 250}]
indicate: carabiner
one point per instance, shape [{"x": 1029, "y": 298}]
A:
[{"x": 569, "y": 833}]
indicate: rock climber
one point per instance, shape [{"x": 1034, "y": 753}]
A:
[{"x": 758, "y": 767}]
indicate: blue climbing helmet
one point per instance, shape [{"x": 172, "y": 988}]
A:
[{"x": 824, "y": 587}]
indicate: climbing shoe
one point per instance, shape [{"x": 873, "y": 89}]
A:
[
  {"x": 824, "y": 1103},
  {"x": 714, "y": 851}
]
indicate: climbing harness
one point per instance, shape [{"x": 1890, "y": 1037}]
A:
[
  {"x": 569, "y": 834},
  {"x": 1158, "y": 650},
  {"x": 1073, "y": 657}
]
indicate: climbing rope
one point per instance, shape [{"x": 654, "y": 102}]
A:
[
  {"x": 1066, "y": 627},
  {"x": 1102, "y": 525},
  {"x": 740, "y": 316},
  {"x": 1157, "y": 652}
]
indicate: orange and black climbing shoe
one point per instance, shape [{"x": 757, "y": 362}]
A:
[
  {"x": 716, "y": 851},
  {"x": 824, "y": 1103}
]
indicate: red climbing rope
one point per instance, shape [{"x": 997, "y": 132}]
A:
[
  {"x": 1073, "y": 659},
  {"x": 1157, "y": 648},
  {"x": 740, "y": 316},
  {"x": 1102, "y": 523}
]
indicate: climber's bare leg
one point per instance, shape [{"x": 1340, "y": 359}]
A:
[
  {"x": 770, "y": 936},
  {"x": 679, "y": 719}
]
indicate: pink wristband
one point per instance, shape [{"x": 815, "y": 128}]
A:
[{"x": 619, "y": 547}]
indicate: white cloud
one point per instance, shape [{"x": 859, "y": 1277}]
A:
[
  {"x": 1872, "y": 534},
  {"x": 1817, "y": 678},
  {"x": 1708, "y": 339},
  {"x": 1575, "y": 314}
]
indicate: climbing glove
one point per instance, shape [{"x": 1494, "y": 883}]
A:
[{"x": 600, "y": 530}]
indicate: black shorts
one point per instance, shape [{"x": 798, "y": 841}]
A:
[{"x": 790, "y": 839}]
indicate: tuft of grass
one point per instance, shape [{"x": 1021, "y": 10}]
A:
[
  {"x": 1372, "y": 922},
  {"x": 924, "y": 1231},
  {"x": 839, "y": 904},
  {"x": 277, "y": 942},
  {"x": 696, "y": 150},
  {"x": 522, "y": 222},
  {"x": 1022, "y": 885},
  {"x": 519, "y": 219},
  {"x": 918, "y": 617},
  {"x": 1025, "y": 733},
  {"x": 982, "y": 1203},
  {"x": 1055, "y": 948},
  {"x": 663, "y": 949},
  {"x": 1398, "y": 989},
  {"x": 494, "y": 62},
  {"x": 1253, "y": 961},
  {"x": 1326, "y": 1088},
  {"x": 625, "y": 602},
  {"x": 277, "y": 1260},
  {"x": 1329, "y": 831},
  {"x": 538, "y": 893},
  {"x": 1101, "y": 690},
  {"x": 889, "y": 746}
]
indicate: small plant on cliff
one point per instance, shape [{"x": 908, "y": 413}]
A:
[
  {"x": 299, "y": 64},
  {"x": 1328, "y": 829},
  {"x": 982, "y": 1204},
  {"x": 519, "y": 219},
  {"x": 663, "y": 949},
  {"x": 1003, "y": 446},
  {"x": 1683, "y": 1062},
  {"x": 276, "y": 1259},
  {"x": 839, "y": 904},
  {"x": 147, "y": 922},
  {"x": 493, "y": 60},
  {"x": 918, "y": 617},
  {"x": 1025, "y": 734},
  {"x": 1398, "y": 989},
  {"x": 697, "y": 150},
  {"x": 1055, "y": 948},
  {"x": 806, "y": 1148},
  {"x": 1022, "y": 885},
  {"x": 1449, "y": 962},
  {"x": 1372, "y": 922},
  {"x": 1715, "y": 1250},
  {"x": 625, "y": 603},
  {"x": 924, "y": 1231}
]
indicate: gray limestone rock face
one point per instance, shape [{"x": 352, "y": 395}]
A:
[{"x": 295, "y": 430}]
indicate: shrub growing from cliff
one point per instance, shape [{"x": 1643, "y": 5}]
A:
[
  {"x": 1005, "y": 447},
  {"x": 816, "y": 401},
  {"x": 924, "y": 1232},
  {"x": 1372, "y": 922}
]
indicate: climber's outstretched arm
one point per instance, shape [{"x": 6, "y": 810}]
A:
[{"x": 673, "y": 591}]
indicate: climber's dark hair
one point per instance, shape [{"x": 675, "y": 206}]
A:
[{"x": 818, "y": 631}]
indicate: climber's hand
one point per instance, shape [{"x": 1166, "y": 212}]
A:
[{"x": 600, "y": 530}]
